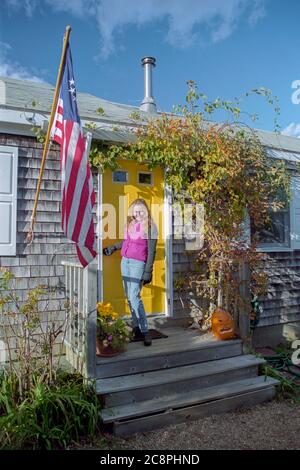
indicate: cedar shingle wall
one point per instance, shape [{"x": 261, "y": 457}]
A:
[
  {"x": 40, "y": 262},
  {"x": 183, "y": 263},
  {"x": 281, "y": 304}
]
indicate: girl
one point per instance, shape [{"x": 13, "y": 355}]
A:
[{"x": 138, "y": 252}]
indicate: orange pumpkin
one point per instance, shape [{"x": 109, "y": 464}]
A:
[{"x": 222, "y": 324}]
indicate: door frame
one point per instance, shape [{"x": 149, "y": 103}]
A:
[
  {"x": 168, "y": 237},
  {"x": 168, "y": 255}
]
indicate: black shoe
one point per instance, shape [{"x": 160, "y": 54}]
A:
[
  {"x": 147, "y": 339},
  {"x": 136, "y": 332}
]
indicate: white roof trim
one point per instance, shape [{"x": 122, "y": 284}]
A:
[{"x": 283, "y": 155}]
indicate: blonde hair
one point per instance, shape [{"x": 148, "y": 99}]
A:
[{"x": 146, "y": 223}]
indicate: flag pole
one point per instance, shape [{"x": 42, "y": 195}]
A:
[{"x": 29, "y": 238}]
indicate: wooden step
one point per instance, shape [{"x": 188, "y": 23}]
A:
[
  {"x": 181, "y": 400},
  {"x": 165, "y": 354},
  {"x": 242, "y": 400},
  {"x": 138, "y": 387}
]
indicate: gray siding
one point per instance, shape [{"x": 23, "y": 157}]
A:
[
  {"x": 185, "y": 302},
  {"x": 281, "y": 303},
  {"x": 40, "y": 262}
]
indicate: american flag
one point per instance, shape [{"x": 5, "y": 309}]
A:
[{"x": 77, "y": 193}]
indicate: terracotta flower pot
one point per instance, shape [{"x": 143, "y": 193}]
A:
[{"x": 107, "y": 351}]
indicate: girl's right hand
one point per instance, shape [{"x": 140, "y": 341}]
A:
[{"x": 108, "y": 250}]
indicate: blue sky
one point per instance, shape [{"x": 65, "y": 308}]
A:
[{"x": 226, "y": 46}]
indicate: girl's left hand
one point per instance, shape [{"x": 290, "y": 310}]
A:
[{"x": 147, "y": 279}]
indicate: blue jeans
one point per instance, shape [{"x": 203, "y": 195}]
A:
[{"x": 132, "y": 272}]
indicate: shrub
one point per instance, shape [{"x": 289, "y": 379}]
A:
[
  {"x": 50, "y": 416},
  {"x": 41, "y": 407},
  {"x": 31, "y": 336}
]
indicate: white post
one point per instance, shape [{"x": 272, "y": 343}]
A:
[
  {"x": 168, "y": 236},
  {"x": 100, "y": 236},
  {"x": 90, "y": 298}
]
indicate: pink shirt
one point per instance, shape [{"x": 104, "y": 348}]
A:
[{"x": 135, "y": 245}]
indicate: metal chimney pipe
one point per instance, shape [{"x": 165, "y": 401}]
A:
[{"x": 148, "y": 103}]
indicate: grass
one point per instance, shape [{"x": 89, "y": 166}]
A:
[
  {"x": 279, "y": 367},
  {"x": 49, "y": 417}
]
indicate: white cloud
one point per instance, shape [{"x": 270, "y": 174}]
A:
[
  {"x": 9, "y": 68},
  {"x": 28, "y": 5},
  {"x": 184, "y": 18},
  {"x": 258, "y": 12},
  {"x": 293, "y": 130},
  {"x": 80, "y": 8}
]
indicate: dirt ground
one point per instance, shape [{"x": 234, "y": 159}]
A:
[{"x": 272, "y": 425}]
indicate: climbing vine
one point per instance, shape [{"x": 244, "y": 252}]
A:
[
  {"x": 225, "y": 168},
  {"x": 222, "y": 166}
]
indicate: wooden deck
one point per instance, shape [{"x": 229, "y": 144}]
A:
[
  {"x": 180, "y": 347},
  {"x": 179, "y": 378},
  {"x": 178, "y": 338},
  {"x": 185, "y": 376}
]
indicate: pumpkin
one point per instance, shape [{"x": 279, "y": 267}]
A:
[{"x": 222, "y": 324}]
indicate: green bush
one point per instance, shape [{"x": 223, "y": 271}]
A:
[
  {"x": 287, "y": 388},
  {"x": 41, "y": 407},
  {"x": 50, "y": 416}
]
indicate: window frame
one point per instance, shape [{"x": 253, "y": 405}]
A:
[
  {"x": 123, "y": 171},
  {"x": 286, "y": 246},
  {"x": 292, "y": 207},
  {"x": 11, "y": 248},
  {"x": 147, "y": 173}
]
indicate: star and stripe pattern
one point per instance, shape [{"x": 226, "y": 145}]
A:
[{"x": 77, "y": 193}]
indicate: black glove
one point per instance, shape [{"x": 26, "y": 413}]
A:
[
  {"x": 147, "y": 278},
  {"x": 108, "y": 250}
]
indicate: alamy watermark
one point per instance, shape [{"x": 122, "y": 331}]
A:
[
  {"x": 186, "y": 221},
  {"x": 296, "y": 94},
  {"x": 296, "y": 354}
]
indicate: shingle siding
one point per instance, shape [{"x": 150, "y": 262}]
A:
[
  {"x": 184, "y": 263},
  {"x": 281, "y": 303},
  {"x": 40, "y": 262}
]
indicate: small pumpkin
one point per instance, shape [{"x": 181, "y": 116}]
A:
[{"x": 222, "y": 324}]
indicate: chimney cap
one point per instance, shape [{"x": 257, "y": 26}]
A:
[
  {"x": 148, "y": 103},
  {"x": 149, "y": 60}
]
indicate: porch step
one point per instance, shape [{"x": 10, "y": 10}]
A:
[
  {"x": 181, "y": 400},
  {"x": 182, "y": 407},
  {"x": 127, "y": 389},
  {"x": 174, "y": 351}
]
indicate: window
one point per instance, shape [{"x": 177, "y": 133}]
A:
[
  {"x": 295, "y": 212},
  {"x": 8, "y": 200},
  {"x": 276, "y": 233},
  {"x": 145, "y": 177},
  {"x": 120, "y": 176}
]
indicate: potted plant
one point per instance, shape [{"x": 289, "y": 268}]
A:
[{"x": 113, "y": 334}]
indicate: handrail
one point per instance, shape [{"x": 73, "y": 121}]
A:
[{"x": 80, "y": 338}]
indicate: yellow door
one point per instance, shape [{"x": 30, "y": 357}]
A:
[{"x": 130, "y": 181}]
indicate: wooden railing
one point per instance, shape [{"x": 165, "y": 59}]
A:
[{"x": 80, "y": 337}]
